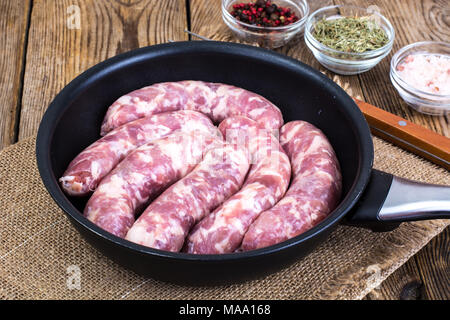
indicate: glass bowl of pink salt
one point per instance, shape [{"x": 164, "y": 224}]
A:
[{"x": 421, "y": 74}]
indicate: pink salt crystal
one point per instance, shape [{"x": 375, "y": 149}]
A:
[{"x": 426, "y": 72}]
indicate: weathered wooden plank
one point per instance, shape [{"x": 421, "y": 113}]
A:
[
  {"x": 434, "y": 266},
  {"x": 13, "y": 28},
  {"x": 59, "y": 50},
  {"x": 413, "y": 21},
  {"x": 405, "y": 283},
  {"x": 424, "y": 276}
]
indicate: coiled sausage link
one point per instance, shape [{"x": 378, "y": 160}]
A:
[
  {"x": 142, "y": 175},
  {"x": 87, "y": 169},
  {"x": 167, "y": 220},
  {"x": 222, "y": 231},
  {"x": 314, "y": 191},
  {"x": 216, "y": 100}
]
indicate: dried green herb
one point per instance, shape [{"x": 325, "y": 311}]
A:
[{"x": 350, "y": 34}]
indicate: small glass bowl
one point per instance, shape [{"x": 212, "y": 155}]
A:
[
  {"x": 347, "y": 63},
  {"x": 268, "y": 37},
  {"x": 428, "y": 103}
]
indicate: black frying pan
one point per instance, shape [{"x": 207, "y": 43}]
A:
[{"x": 370, "y": 198}]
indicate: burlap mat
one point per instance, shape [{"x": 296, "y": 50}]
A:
[{"x": 40, "y": 252}]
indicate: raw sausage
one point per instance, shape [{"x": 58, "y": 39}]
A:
[
  {"x": 96, "y": 161},
  {"x": 216, "y": 100},
  {"x": 167, "y": 220},
  {"x": 222, "y": 231},
  {"x": 144, "y": 173},
  {"x": 314, "y": 191}
]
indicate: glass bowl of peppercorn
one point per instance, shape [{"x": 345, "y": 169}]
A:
[
  {"x": 347, "y": 39},
  {"x": 267, "y": 23}
]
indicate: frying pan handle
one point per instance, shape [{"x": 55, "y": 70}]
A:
[{"x": 389, "y": 200}]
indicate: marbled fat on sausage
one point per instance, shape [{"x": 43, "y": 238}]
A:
[
  {"x": 222, "y": 231},
  {"x": 142, "y": 175},
  {"x": 216, "y": 100},
  {"x": 314, "y": 191},
  {"x": 167, "y": 220},
  {"x": 96, "y": 161}
]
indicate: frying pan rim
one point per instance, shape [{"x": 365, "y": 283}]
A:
[{"x": 58, "y": 106}]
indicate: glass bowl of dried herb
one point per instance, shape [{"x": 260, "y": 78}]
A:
[
  {"x": 347, "y": 39},
  {"x": 266, "y": 23}
]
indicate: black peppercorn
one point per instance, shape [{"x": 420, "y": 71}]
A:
[
  {"x": 260, "y": 3},
  {"x": 270, "y": 9}
]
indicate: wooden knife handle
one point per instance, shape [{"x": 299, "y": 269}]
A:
[{"x": 407, "y": 135}]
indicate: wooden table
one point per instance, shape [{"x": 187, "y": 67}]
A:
[{"x": 46, "y": 43}]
